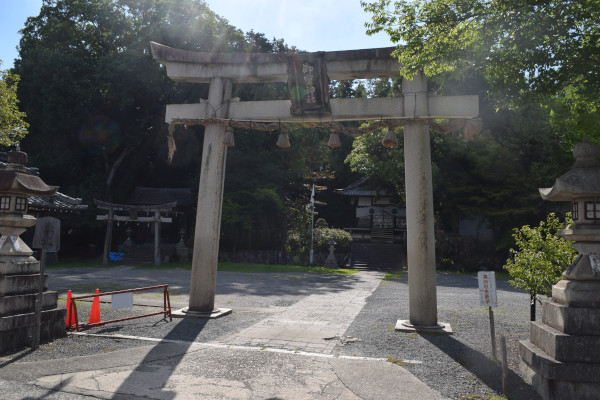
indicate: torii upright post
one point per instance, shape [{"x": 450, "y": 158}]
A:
[
  {"x": 208, "y": 215},
  {"x": 422, "y": 295}
]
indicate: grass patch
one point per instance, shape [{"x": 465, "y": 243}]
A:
[
  {"x": 257, "y": 268},
  {"x": 397, "y": 361},
  {"x": 393, "y": 275},
  {"x": 82, "y": 264}
]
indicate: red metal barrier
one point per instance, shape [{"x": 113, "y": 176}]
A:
[{"x": 73, "y": 320}]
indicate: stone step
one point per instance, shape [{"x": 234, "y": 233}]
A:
[
  {"x": 18, "y": 304},
  {"x": 21, "y": 284},
  {"x": 564, "y": 347},
  {"x": 19, "y": 265},
  {"x": 382, "y": 256},
  {"x": 571, "y": 320},
  {"x": 16, "y": 331},
  {"x": 20, "y": 320}
]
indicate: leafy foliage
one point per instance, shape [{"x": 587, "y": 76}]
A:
[
  {"x": 94, "y": 94},
  {"x": 384, "y": 166},
  {"x": 300, "y": 240},
  {"x": 518, "y": 45},
  {"x": 13, "y": 126},
  {"x": 540, "y": 256}
]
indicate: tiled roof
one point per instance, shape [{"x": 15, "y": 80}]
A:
[
  {"x": 57, "y": 202},
  {"x": 154, "y": 196},
  {"x": 360, "y": 188}
]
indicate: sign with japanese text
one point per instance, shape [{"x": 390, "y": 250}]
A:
[
  {"x": 308, "y": 84},
  {"x": 487, "y": 289},
  {"x": 47, "y": 233}
]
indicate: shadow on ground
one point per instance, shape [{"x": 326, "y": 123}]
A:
[{"x": 486, "y": 369}]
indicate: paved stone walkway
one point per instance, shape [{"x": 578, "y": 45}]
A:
[{"x": 314, "y": 322}]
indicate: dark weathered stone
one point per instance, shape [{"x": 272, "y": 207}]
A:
[
  {"x": 21, "y": 284},
  {"x": 19, "y": 265},
  {"x": 18, "y": 304},
  {"x": 19, "y": 336},
  {"x": 571, "y": 320},
  {"x": 577, "y": 293},
  {"x": 565, "y": 347}
]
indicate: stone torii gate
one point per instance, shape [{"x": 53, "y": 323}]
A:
[
  {"x": 308, "y": 75},
  {"x": 131, "y": 212}
]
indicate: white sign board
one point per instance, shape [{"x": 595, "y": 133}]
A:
[
  {"x": 122, "y": 300},
  {"x": 487, "y": 289}
]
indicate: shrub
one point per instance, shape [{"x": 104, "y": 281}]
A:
[{"x": 540, "y": 258}]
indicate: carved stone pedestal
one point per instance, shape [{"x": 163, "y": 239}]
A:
[
  {"x": 19, "y": 280},
  {"x": 562, "y": 357}
]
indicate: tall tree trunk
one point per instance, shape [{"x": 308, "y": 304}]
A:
[
  {"x": 112, "y": 169},
  {"x": 532, "y": 298}
]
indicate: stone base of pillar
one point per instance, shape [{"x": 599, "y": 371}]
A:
[
  {"x": 19, "y": 285},
  {"x": 186, "y": 313},
  {"x": 562, "y": 357},
  {"x": 16, "y": 331},
  {"x": 404, "y": 325},
  {"x": 555, "y": 380}
]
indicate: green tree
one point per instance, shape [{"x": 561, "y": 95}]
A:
[
  {"x": 13, "y": 126},
  {"x": 540, "y": 258},
  {"x": 95, "y": 96},
  {"x": 384, "y": 166},
  {"x": 520, "y": 45},
  {"x": 547, "y": 50}
]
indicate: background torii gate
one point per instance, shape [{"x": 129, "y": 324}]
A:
[{"x": 416, "y": 106}]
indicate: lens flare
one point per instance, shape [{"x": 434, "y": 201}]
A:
[{"x": 99, "y": 134}]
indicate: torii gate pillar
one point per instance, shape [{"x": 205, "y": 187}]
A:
[
  {"x": 208, "y": 214},
  {"x": 422, "y": 295}
]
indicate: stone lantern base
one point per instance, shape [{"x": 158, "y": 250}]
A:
[
  {"x": 562, "y": 358},
  {"x": 19, "y": 286}
]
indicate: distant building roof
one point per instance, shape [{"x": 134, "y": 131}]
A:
[
  {"x": 154, "y": 196},
  {"x": 361, "y": 188},
  {"x": 56, "y": 202}
]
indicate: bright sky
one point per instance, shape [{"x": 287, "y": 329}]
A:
[{"x": 311, "y": 25}]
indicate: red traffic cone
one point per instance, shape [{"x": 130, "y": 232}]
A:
[
  {"x": 68, "y": 319},
  {"x": 95, "y": 314}
]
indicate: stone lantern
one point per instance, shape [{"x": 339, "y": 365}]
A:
[
  {"x": 19, "y": 271},
  {"x": 562, "y": 357}
]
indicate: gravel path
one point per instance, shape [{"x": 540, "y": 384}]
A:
[{"x": 459, "y": 366}]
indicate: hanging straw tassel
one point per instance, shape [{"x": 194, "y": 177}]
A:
[
  {"x": 390, "y": 139},
  {"x": 283, "y": 140},
  {"x": 334, "y": 140},
  {"x": 228, "y": 139},
  {"x": 171, "y": 142}
]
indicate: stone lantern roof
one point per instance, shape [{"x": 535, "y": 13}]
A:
[
  {"x": 583, "y": 180},
  {"x": 15, "y": 178}
]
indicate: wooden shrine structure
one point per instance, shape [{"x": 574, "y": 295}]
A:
[
  {"x": 308, "y": 76},
  {"x": 133, "y": 213}
]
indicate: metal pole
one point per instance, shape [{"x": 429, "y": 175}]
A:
[
  {"x": 312, "y": 232},
  {"x": 35, "y": 339}
]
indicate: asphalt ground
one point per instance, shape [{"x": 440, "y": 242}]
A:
[{"x": 457, "y": 366}]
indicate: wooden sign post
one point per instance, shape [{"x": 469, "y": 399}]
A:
[
  {"x": 46, "y": 236},
  {"x": 487, "y": 298}
]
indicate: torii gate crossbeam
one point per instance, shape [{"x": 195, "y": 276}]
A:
[{"x": 415, "y": 105}]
